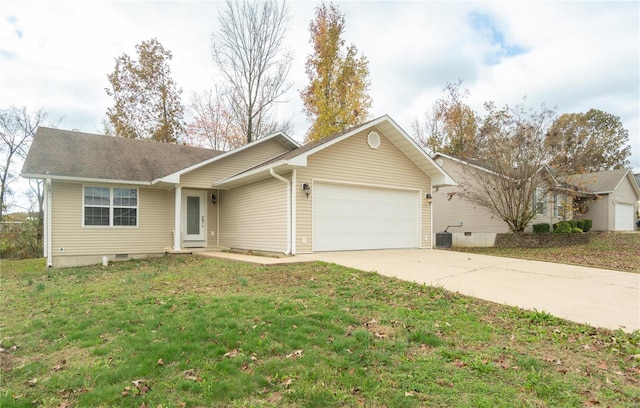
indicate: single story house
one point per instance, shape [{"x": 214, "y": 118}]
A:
[
  {"x": 473, "y": 225},
  {"x": 365, "y": 188},
  {"x": 610, "y": 200},
  {"x": 615, "y": 207}
]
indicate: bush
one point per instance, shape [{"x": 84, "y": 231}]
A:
[
  {"x": 573, "y": 223},
  {"x": 20, "y": 241},
  {"x": 563, "y": 227},
  {"x": 541, "y": 228},
  {"x": 576, "y": 230},
  {"x": 580, "y": 224},
  {"x": 587, "y": 225}
]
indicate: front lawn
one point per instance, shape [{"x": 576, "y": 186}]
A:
[
  {"x": 617, "y": 251},
  {"x": 188, "y": 331}
]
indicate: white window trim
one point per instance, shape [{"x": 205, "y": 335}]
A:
[
  {"x": 111, "y": 206},
  {"x": 544, "y": 201}
]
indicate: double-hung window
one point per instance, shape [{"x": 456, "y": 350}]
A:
[
  {"x": 110, "y": 206},
  {"x": 540, "y": 202},
  {"x": 557, "y": 205}
]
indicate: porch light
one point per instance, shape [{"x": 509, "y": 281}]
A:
[
  {"x": 307, "y": 189},
  {"x": 428, "y": 197},
  {"x": 214, "y": 199}
]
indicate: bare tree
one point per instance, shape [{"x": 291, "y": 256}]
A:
[
  {"x": 212, "y": 125},
  {"x": 513, "y": 167},
  {"x": 248, "y": 48},
  {"x": 17, "y": 127}
]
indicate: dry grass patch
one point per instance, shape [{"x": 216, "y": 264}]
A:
[{"x": 617, "y": 251}]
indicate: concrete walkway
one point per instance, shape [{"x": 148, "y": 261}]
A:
[{"x": 598, "y": 297}]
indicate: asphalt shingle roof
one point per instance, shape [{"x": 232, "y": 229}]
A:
[
  {"x": 67, "y": 153},
  {"x": 599, "y": 182}
]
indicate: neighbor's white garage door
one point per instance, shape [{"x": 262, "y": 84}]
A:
[
  {"x": 353, "y": 218},
  {"x": 623, "y": 217}
]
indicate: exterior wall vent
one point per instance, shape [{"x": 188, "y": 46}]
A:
[{"x": 373, "y": 140}]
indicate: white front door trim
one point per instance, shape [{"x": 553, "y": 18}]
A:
[{"x": 194, "y": 218}]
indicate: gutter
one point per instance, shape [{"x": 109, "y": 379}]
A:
[{"x": 284, "y": 180}]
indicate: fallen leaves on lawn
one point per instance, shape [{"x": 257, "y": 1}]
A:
[
  {"x": 141, "y": 387},
  {"x": 232, "y": 353},
  {"x": 191, "y": 375},
  {"x": 295, "y": 354}
]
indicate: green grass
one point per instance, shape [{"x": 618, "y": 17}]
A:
[
  {"x": 196, "y": 332},
  {"x": 617, "y": 251}
]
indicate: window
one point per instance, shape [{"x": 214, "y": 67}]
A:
[
  {"x": 106, "y": 206},
  {"x": 558, "y": 206},
  {"x": 540, "y": 202}
]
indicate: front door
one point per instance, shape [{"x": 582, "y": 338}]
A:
[{"x": 194, "y": 218}]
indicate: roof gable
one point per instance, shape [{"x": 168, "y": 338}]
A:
[
  {"x": 298, "y": 157},
  {"x": 604, "y": 182}
]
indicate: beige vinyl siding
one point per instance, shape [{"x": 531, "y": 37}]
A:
[
  {"x": 353, "y": 161},
  {"x": 152, "y": 235},
  {"x": 449, "y": 208},
  {"x": 212, "y": 220},
  {"x": 602, "y": 210},
  {"x": 204, "y": 177},
  {"x": 626, "y": 195},
  {"x": 599, "y": 212},
  {"x": 254, "y": 216}
]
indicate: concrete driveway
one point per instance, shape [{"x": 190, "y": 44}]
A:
[{"x": 598, "y": 297}]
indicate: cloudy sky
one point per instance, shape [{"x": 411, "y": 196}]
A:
[{"x": 570, "y": 55}]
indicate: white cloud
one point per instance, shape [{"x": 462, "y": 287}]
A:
[{"x": 575, "y": 55}]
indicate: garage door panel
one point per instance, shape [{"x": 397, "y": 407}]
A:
[
  {"x": 353, "y": 218},
  {"x": 623, "y": 217}
]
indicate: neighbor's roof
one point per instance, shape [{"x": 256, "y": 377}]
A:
[
  {"x": 298, "y": 157},
  {"x": 65, "y": 154},
  {"x": 603, "y": 182}
]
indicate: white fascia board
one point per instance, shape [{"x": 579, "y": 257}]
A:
[
  {"x": 84, "y": 179},
  {"x": 442, "y": 178},
  {"x": 632, "y": 180},
  {"x": 227, "y": 154},
  {"x": 255, "y": 171},
  {"x": 171, "y": 179},
  {"x": 298, "y": 161}
]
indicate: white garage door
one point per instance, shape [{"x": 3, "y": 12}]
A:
[
  {"x": 353, "y": 218},
  {"x": 623, "y": 217}
]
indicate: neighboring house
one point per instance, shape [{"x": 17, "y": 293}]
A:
[
  {"x": 616, "y": 205},
  {"x": 479, "y": 225},
  {"x": 365, "y": 188}
]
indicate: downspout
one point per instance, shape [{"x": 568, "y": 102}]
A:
[
  {"x": 48, "y": 222},
  {"x": 284, "y": 180},
  {"x": 177, "y": 228},
  {"x": 218, "y": 219},
  {"x": 294, "y": 211}
]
